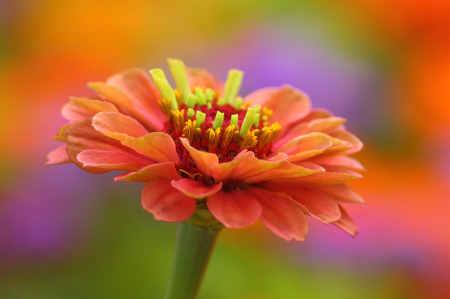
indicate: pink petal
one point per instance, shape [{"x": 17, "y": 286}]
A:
[
  {"x": 342, "y": 161},
  {"x": 158, "y": 146},
  {"x": 203, "y": 160},
  {"x": 202, "y": 78},
  {"x": 289, "y": 105},
  {"x": 58, "y": 156},
  {"x": 118, "y": 126},
  {"x": 346, "y": 223},
  {"x": 167, "y": 203},
  {"x": 234, "y": 209},
  {"x": 341, "y": 192},
  {"x": 283, "y": 216},
  {"x": 196, "y": 189},
  {"x": 62, "y": 135},
  {"x": 306, "y": 146},
  {"x": 142, "y": 93},
  {"x": 165, "y": 170},
  {"x": 317, "y": 204},
  {"x": 333, "y": 175},
  {"x": 123, "y": 102},
  {"x": 111, "y": 160},
  {"x": 79, "y": 108},
  {"x": 285, "y": 170},
  {"x": 82, "y": 136}
]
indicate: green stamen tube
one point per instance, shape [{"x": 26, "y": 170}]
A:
[
  {"x": 238, "y": 103},
  {"x": 256, "y": 120},
  {"x": 218, "y": 120},
  {"x": 248, "y": 122},
  {"x": 164, "y": 87},
  {"x": 234, "y": 121},
  {"x": 200, "y": 118},
  {"x": 209, "y": 94},
  {"x": 201, "y": 98},
  {"x": 190, "y": 113},
  {"x": 191, "y": 100},
  {"x": 178, "y": 71},
  {"x": 232, "y": 86}
]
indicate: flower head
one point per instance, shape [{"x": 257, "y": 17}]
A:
[{"x": 211, "y": 157}]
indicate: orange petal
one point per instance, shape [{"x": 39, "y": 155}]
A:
[
  {"x": 202, "y": 78},
  {"x": 342, "y": 161},
  {"x": 341, "y": 192},
  {"x": 165, "y": 170},
  {"x": 306, "y": 146},
  {"x": 203, "y": 160},
  {"x": 285, "y": 170},
  {"x": 222, "y": 171},
  {"x": 333, "y": 175},
  {"x": 283, "y": 216},
  {"x": 62, "y": 135},
  {"x": 346, "y": 223},
  {"x": 80, "y": 108},
  {"x": 251, "y": 166},
  {"x": 82, "y": 136},
  {"x": 317, "y": 204},
  {"x": 234, "y": 209},
  {"x": 356, "y": 144},
  {"x": 58, "y": 156},
  {"x": 118, "y": 126},
  {"x": 142, "y": 93},
  {"x": 167, "y": 203},
  {"x": 289, "y": 105},
  {"x": 111, "y": 160},
  {"x": 196, "y": 189},
  {"x": 158, "y": 146}
]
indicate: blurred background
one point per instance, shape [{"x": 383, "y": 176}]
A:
[{"x": 382, "y": 64}]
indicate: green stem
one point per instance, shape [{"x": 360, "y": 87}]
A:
[{"x": 193, "y": 250}]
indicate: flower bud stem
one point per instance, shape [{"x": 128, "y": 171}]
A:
[{"x": 193, "y": 250}]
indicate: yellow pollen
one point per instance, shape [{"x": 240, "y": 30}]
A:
[
  {"x": 250, "y": 141},
  {"x": 192, "y": 176},
  {"x": 228, "y": 136},
  {"x": 245, "y": 105},
  {"x": 179, "y": 97},
  {"x": 268, "y": 134},
  {"x": 189, "y": 131},
  {"x": 165, "y": 106},
  {"x": 177, "y": 117},
  {"x": 266, "y": 114}
]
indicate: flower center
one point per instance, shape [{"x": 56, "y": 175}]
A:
[{"x": 213, "y": 121}]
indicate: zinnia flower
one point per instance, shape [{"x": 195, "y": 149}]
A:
[{"x": 209, "y": 156}]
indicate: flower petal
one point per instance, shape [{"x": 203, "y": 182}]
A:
[
  {"x": 356, "y": 144},
  {"x": 196, "y": 189},
  {"x": 317, "y": 204},
  {"x": 202, "y": 78},
  {"x": 158, "y": 146},
  {"x": 342, "y": 161},
  {"x": 251, "y": 166},
  {"x": 167, "y": 203},
  {"x": 306, "y": 146},
  {"x": 82, "y": 136},
  {"x": 165, "y": 170},
  {"x": 142, "y": 93},
  {"x": 285, "y": 170},
  {"x": 289, "y": 105},
  {"x": 62, "y": 135},
  {"x": 283, "y": 216},
  {"x": 346, "y": 223},
  {"x": 111, "y": 160},
  {"x": 118, "y": 126},
  {"x": 203, "y": 160},
  {"x": 222, "y": 171},
  {"x": 58, "y": 156},
  {"x": 341, "y": 192},
  {"x": 234, "y": 209},
  {"x": 80, "y": 108},
  {"x": 333, "y": 175}
]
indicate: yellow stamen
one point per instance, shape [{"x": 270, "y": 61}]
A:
[
  {"x": 266, "y": 114},
  {"x": 189, "y": 131},
  {"x": 192, "y": 176},
  {"x": 179, "y": 97},
  {"x": 228, "y": 136},
  {"x": 268, "y": 134},
  {"x": 165, "y": 106},
  {"x": 250, "y": 141},
  {"x": 177, "y": 117}
]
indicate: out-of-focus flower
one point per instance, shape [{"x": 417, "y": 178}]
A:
[{"x": 209, "y": 156}]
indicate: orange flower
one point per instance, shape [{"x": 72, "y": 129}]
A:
[{"x": 208, "y": 155}]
